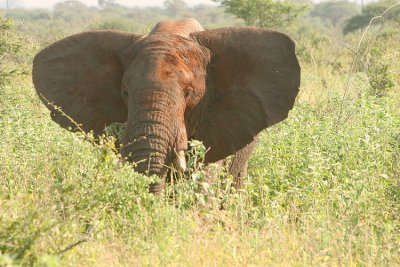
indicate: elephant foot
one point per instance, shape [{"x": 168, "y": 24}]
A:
[
  {"x": 239, "y": 176},
  {"x": 157, "y": 187},
  {"x": 238, "y": 167}
]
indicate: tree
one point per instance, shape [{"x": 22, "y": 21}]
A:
[
  {"x": 264, "y": 13},
  {"x": 175, "y": 7},
  {"x": 104, "y": 3},
  {"x": 72, "y": 10},
  {"x": 372, "y": 10},
  {"x": 207, "y": 14},
  {"x": 12, "y": 4},
  {"x": 335, "y": 12}
]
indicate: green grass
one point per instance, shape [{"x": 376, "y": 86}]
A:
[
  {"x": 323, "y": 186},
  {"x": 317, "y": 194}
]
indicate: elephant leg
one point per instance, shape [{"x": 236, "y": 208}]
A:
[
  {"x": 238, "y": 167},
  {"x": 157, "y": 188}
]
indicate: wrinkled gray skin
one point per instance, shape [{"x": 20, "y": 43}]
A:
[
  {"x": 182, "y": 27},
  {"x": 178, "y": 83}
]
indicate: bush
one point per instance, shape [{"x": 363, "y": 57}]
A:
[
  {"x": 380, "y": 79},
  {"x": 10, "y": 46},
  {"x": 380, "y": 69},
  {"x": 264, "y": 13},
  {"x": 112, "y": 24},
  {"x": 370, "y": 11},
  {"x": 323, "y": 186}
]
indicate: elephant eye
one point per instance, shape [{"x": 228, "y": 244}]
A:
[
  {"x": 188, "y": 92},
  {"x": 124, "y": 90}
]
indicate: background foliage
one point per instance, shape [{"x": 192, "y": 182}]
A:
[
  {"x": 10, "y": 45},
  {"x": 323, "y": 186},
  {"x": 264, "y": 13},
  {"x": 372, "y": 10}
]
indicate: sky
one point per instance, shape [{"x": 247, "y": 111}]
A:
[{"x": 131, "y": 3}]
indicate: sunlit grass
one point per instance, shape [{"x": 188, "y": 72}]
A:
[
  {"x": 323, "y": 186},
  {"x": 316, "y": 195}
]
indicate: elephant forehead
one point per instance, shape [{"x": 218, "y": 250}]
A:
[
  {"x": 175, "y": 67},
  {"x": 172, "y": 47},
  {"x": 170, "y": 56}
]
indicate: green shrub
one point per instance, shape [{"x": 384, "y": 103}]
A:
[
  {"x": 323, "y": 185},
  {"x": 112, "y": 24},
  {"x": 264, "y": 13},
  {"x": 10, "y": 46},
  {"x": 380, "y": 68},
  {"x": 380, "y": 79},
  {"x": 373, "y": 9}
]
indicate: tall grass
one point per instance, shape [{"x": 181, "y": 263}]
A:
[{"x": 319, "y": 191}]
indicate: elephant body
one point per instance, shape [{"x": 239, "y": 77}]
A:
[{"x": 180, "y": 82}]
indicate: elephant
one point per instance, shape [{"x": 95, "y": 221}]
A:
[{"x": 179, "y": 83}]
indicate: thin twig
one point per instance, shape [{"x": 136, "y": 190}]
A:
[
  {"x": 355, "y": 57},
  {"x": 71, "y": 246},
  {"x": 59, "y": 109}
]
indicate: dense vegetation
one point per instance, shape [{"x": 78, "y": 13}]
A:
[
  {"x": 264, "y": 13},
  {"x": 323, "y": 186}
]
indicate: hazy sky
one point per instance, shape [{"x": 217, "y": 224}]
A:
[{"x": 50, "y": 3}]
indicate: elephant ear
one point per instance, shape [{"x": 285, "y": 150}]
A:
[
  {"x": 81, "y": 76},
  {"x": 252, "y": 81}
]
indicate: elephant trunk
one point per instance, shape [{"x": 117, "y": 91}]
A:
[
  {"x": 147, "y": 142},
  {"x": 152, "y": 140}
]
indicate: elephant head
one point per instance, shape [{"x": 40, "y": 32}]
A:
[
  {"x": 183, "y": 27},
  {"x": 220, "y": 86}
]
